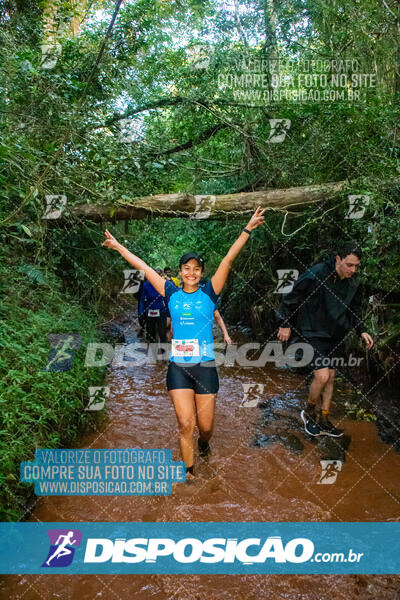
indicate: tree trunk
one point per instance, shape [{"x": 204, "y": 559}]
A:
[
  {"x": 79, "y": 12},
  {"x": 207, "y": 207},
  {"x": 270, "y": 23}
]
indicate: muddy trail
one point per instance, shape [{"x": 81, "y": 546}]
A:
[{"x": 262, "y": 468}]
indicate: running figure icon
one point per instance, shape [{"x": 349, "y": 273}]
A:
[{"x": 62, "y": 549}]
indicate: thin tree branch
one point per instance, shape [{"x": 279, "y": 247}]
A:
[{"x": 205, "y": 135}]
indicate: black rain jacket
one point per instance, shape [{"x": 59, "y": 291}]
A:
[{"x": 321, "y": 305}]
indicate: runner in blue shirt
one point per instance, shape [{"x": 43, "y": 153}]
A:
[
  {"x": 153, "y": 306},
  {"x": 192, "y": 378}
]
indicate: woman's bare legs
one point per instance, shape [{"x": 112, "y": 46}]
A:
[
  {"x": 185, "y": 410},
  {"x": 205, "y": 408}
]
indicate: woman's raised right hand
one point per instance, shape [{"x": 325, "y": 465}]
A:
[{"x": 110, "y": 241}]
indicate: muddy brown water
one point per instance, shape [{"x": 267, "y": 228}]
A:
[{"x": 262, "y": 468}]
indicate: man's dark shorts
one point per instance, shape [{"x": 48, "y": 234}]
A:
[{"x": 328, "y": 353}]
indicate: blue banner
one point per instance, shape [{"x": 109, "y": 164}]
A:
[{"x": 213, "y": 548}]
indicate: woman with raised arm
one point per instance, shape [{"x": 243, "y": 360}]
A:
[{"x": 192, "y": 378}]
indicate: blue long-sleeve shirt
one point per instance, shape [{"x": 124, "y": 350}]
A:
[{"x": 150, "y": 299}]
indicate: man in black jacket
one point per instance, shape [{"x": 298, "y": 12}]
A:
[{"x": 323, "y": 306}]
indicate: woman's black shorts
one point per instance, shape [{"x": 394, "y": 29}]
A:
[{"x": 201, "y": 377}]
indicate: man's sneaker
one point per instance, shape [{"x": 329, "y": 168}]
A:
[
  {"x": 204, "y": 447},
  {"x": 310, "y": 425},
  {"x": 327, "y": 428}
]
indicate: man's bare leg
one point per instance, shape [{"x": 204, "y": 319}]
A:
[
  {"x": 327, "y": 394},
  {"x": 317, "y": 390},
  {"x": 321, "y": 388}
]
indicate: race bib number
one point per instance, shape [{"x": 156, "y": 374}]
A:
[
  {"x": 153, "y": 312},
  {"x": 185, "y": 348}
]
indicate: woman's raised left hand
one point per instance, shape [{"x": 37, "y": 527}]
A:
[{"x": 257, "y": 219}]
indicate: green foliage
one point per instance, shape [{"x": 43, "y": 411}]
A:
[
  {"x": 39, "y": 409},
  {"x": 360, "y": 414},
  {"x": 33, "y": 273}
]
